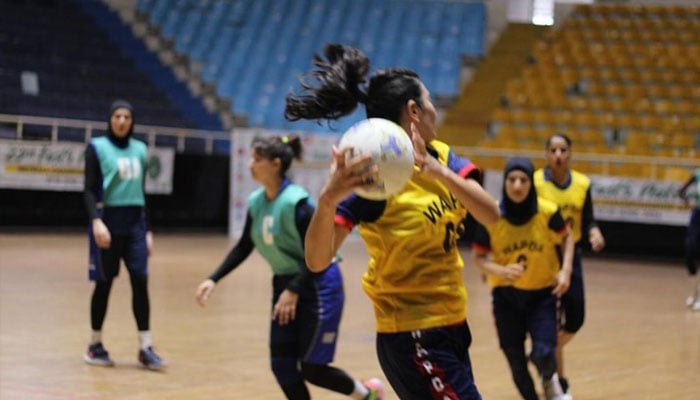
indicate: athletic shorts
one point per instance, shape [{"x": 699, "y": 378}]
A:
[
  {"x": 429, "y": 364},
  {"x": 312, "y": 336},
  {"x": 128, "y": 244}
]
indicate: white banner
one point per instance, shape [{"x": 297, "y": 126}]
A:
[
  {"x": 316, "y": 149},
  {"x": 638, "y": 200},
  {"x": 623, "y": 199},
  {"x": 60, "y": 167}
]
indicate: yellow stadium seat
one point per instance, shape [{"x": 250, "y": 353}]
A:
[
  {"x": 501, "y": 114},
  {"x": 637, "y": 142},
  {"x": 676, "y": 174},
  {"x": 682, "y": 140},
  {"x": 492, "y": 163},
  {"x": 590, "y": 167},
  {"x": 626, "y": 170}
]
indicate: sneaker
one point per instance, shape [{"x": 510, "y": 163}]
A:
[
  {"x": 376, "y": 389},
  {"x": 566, "y": 389},
  {"x": 149, "y": 359},
  {"x": 695, "y": 306},
  {"x": 97, "y": 355},
  {"x": 694, "y": 297},
  {"x": 552, "y": 388}
]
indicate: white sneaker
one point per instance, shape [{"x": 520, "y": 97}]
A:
[
  {"x": 566, "y": 389},
  {"x": 695, "y": 306},
  {"x": 689, "y": 301},
  {"x": 552, "y": 388}
]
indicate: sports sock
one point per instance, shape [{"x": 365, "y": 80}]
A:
[
  {"x": 564, "y": 384},
  {"x": 145, "y": 339},
  {"x": 96, "y": 337},
  {"x": 360, "y": 392}
]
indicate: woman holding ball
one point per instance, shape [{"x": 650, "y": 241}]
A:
[{"x": 414, "y": 276}]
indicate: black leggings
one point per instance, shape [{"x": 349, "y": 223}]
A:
[
  {"x": 324, "y": 376},
  {"x": 139, "y": 302},
  {"x": 692, "y": 237}
]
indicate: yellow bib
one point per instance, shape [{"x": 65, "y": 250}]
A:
[
  {"x": 533, "y": 243},
  {"x": 570, "y": 200}
]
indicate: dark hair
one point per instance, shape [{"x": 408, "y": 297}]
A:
[
  {"x": 341, "y": 79},
  {"x": 286, "y": 148},
  {"x": 564, "y": 136}
]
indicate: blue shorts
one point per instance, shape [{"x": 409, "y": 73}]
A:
[
  {"x": 128, "y": 244},
  {"x": 312, "y": 336},
  {"x": 429, "y": 364}
]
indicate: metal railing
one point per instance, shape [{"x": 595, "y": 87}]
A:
[
  {"x": 606, "y": 161},
  {"x": 16, "y": 127}
]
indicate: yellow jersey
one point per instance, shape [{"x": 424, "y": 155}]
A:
[
  {"x": 532, "y": 243},
  {"x": 571, "y": 199},
  {"x": 414, "y": 276}
]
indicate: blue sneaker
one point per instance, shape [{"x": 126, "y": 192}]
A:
[
  {"x": 97, "y": 355},
  {"x": 149, "y": 359}
]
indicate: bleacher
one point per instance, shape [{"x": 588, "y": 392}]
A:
[
  {"x": 255, "y": 50},
  {"x": 84, "y": 57},
  {"x": 618, "y": 79}
]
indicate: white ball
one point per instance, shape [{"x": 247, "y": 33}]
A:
[{"x": 391, "y": 150}]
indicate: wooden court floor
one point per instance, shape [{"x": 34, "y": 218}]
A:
[{"x": 639, "y": 340}]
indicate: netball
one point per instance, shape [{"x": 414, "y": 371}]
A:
[{"x": 391, "y": 150}]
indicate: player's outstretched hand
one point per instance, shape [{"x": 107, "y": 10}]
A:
[{"x": 203, "y": 291}]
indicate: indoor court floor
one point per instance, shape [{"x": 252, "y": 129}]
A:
[{"x": 639, "y": 340}]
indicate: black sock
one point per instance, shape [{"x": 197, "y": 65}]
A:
[{"x": 564, "y": 384}]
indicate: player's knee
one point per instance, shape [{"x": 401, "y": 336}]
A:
[
  {"x": 104, "y": 285},
  {"x": 138, "y": 277},
  {"x": 285, "y": 370},
  {"x": 574, "y": 322},
  {"x": 544, "y": 357},
  {"x": 313, "y": 373},
  {"x": 574, "y": 313},
  {"x": 516, "y": 359},
  {"x": 691, "y": 265}
]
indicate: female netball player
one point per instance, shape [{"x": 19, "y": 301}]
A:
[{"x": 414, "y": 276}]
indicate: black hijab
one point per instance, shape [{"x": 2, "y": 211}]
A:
[
  {"x": 519, "y": 213},
  {"x": 119, "y": 141}
]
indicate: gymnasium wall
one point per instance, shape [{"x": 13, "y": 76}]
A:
[{"x": 199, "y": 201}]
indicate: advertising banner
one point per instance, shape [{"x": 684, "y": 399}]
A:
[
  {"x": 60, "y": 166},
  {"x": 637, "y": 200}
]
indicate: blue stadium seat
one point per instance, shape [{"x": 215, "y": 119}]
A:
[
  {"x": 156, "y": 10},
  {"x": 254, "y": 50},
  {"x": 207, "y": 33},
  {"x": 189, "y": 29}
]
